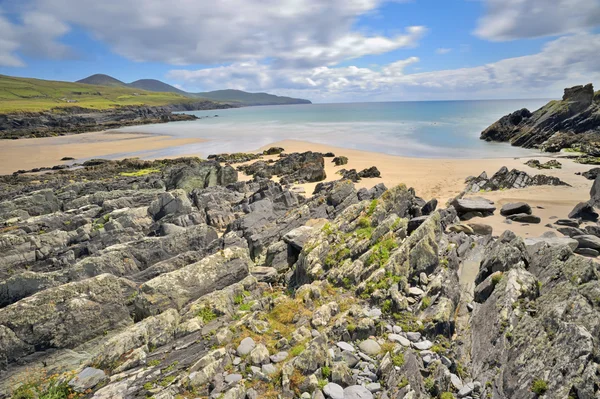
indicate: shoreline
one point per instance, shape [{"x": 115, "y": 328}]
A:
[{"x": 438, "y": 178}]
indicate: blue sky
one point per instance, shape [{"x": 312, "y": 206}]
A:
[{"x": 325, "y": 50}]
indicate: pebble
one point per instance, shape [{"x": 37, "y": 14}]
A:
[
  {"x": 399, "y": 338},
  {"x": 373, "y": 387},
  {"x": 423, "y": 345},
  {"x": 357, "y": 392},
  {"x": 413, "y": 336},
  {"x": 334, "y": 391},
  {"x": 397, "y": 329},
  {"x": 279, "y": 357},
  {"x": 269, "y": 369},
  {"x": 346, "y": 346},
  {"x": 466, "y": 390},
  {"x": 456, "y": 382},
  {"x": 416, "y": 291},
  {"x": 232, "y": 378}
]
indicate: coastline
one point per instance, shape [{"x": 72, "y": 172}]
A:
[
  {"x": 26, "y": 154},
  {"x": 442, "y": 179}
]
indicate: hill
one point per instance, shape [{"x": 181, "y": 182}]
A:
[
  {"x": 26, "y": 94},
  {"x": 101, "y": 80},
  {"x": 246, "y": 98},
  {"x": 156, "y": 85},
  {"x": 229, "y": 96}
]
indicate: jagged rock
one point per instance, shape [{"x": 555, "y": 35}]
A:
[
  {"x": 200, "y": 175},
  {"x": 505, "y": 179},
  {"x": 175, "y": 202},
  {"x": 570, "y": 231},
  {"x": 481, "y": 229},
  {"x": 87, "y": 379},
  {"x": 515, "y": 208},
  {"x": 567, "y": 222},
  {"x": 588, "y": 241},
  {"x": 357, "y": 392},
  {"x": 591, "y": 174},
  {"x": 300, "y": 168},
  {"x": 177, "y": 288}
]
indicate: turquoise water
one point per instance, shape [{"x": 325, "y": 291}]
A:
[{"x": 431, "y": 129}]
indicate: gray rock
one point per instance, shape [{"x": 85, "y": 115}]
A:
[
  {"x": 551, "y": 241},
  {"x": 87, "y": 379},
  {"x": 333, "y": 391},
  {"x": 475, "y": 204},
  {"x": 515, "y": 208},
  {"x": 481, "y": 229},
  {"x": 233, "y": 378},
  {"x": 587, "y": 252},
  {"x": 246, "y": 346},
  {"x": 373, "y": 387},
  {"x": 370, "y": 347},
  {"x": 584, "y": 211},
  {"x": 345, "y": 346},
  {"x": 466, "y": 390},
  {"x": 357, "y": 392},
  {"x": 423, "y": 345},
  {"x": 456, "y": 382},
  {"x": 413, "y": 336},
  {"x": 567, "y": 222},
  {"x": 588, "y": 241},
  {"x": 269, "y": 369},
  {"x": 279, "y": 357},
  {"x": 524, "y": 218}
]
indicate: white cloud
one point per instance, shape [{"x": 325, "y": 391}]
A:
[
  {"x": 516, "y": 19},
  {"x": 35, "y": 34},
  {"x": 563, "y": 62},
  {"x": 299, "y": 33},
  {"x": 443, "y": 50}
]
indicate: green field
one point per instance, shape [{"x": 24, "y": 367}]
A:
[{"x": 24, "y": 94}]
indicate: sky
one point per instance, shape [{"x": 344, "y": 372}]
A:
[{"x": 323, "y": 50}]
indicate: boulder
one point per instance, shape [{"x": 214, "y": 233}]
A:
[
  {"x": 88, "y": 378},
  {"x": 340, "y": 160},
  {"x": 175, "y": 202},
  {"x": 584, "y": 211},
  {"x": 524, "y": 218},
  {"x": 515, "y": 208},
  {"x": 588, "y": 241},
  {"x": 474, "y": 204}
]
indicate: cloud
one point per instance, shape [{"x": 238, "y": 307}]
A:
[
  {"x": 35, "y": 35},
  {"x": 292, "y": 33},
  {"x": 517, "y": 19},
  {"x": 443, "y": 50},
  {"x": 562, "y": 62}
]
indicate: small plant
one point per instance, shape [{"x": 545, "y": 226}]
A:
[
  {"x": 364, "y": 222},
  {"x": 430, "y": 386},
  {"x": 238, "y": 299},
  {"x": 425, "y": 303},
  {"x": 539, "y": 387},
  {"x": 403, "y": 382},
  {"x": 245, "y": 307},
  {"x": 148, "y": 386},
  {"x": 153, "y": 362},
  {"x": 372, "y": 207},
  {"x": 351, "y": 327},
  {"x": 447, "y": 395},
  {"x": 496, "y": 278},
  {"x": 297, "y": 350},
  {"x": 206, "y": 315},
  {"x": 42, "y": 386},
  {"x": 326, "y": 372},
  {"x": 398, "y": 359}
]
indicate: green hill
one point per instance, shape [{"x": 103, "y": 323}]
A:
[
  {"x": 25, "y": 94},
  {"x": 229, "y": 96},
  {"x": 245, "y": 98},
  {"x": 102, "y": 80},
  {"x": 156, "y": 85}
]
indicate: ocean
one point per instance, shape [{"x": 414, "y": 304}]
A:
[{"x": 424, "y": 129}]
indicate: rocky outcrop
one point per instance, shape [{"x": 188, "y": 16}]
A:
[
  {"x": 72, "y": 120},
  {"x": 505, "y": 179},
  {"x": 170, "y": 278},
  {"x": 573, "y": 122},
  {"x": 292, "y": 168}
]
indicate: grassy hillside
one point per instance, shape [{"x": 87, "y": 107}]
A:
[
  {"x": 101, "y": 80},
  {"x": 24, "y": 94},
  {"x": 246, "y": 98},
  {"x": 156, "y": 85}
]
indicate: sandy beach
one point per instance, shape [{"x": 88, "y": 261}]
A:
[
  {"x": 431, "y": 178},
  {"x": 27, "y": 154}
]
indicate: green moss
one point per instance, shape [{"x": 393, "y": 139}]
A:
[
  {"x": 148, "y": 386},
  {"x": 297, "y": 350},
  {"x": 206, "y": 315},
  {"x": 351, "y": 328},
  {"x": 446, "y": 395},
  {"x": 539, "y": 387},
  {"x": 372, "y": 207},
  {"x": 430, "y": 386},
  {"x": 167, "y": 381},
  {"x": 496, "y": 278},
  {"x": 170, "y": 368},
  {"x": 139, "y": 173},
  {"x": 364, "y": 222},
  {"x": 380, "y": 253},
  {"x": 398, "y": 359},
  {"x": 425, "y": 303},
  {"x": 153, "y": 362},
  {"x": 326, "y": 372},
  {"x": 403, "y": 382}
]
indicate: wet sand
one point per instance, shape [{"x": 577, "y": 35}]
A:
[{"x": 27, "y": 154}]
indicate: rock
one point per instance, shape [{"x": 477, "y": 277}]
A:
[
  {"x": 567, "y": 222},
  {"x": 590, "y": 174},
  {"x": 588, "y": 241},
  {"x": 481, "y": 229},
  {"x": 584, "y": 211},
  {"x": 466, "y": 390},
  {"x": 246, "y": 346},
  {"x": 515, "y": 208},
  {"x": 268, "y": 369},
  {"x": 233, "y": 378},
  {"x": 429, "y": 207},
  {"x": 400, "y": 339},
  {"x": 551, "y": 241},
  {"x": 333, "y": 391},
  {"x": 466, "y": 205},
  {"x": 258, "y": 355},
  {"x": 413, "y": 336},
  {"x": 461, "y": 228},
  {"x": 513, "y": 179},
  {"x": 87, "y": 379},
  {"x": 339, "y": 161},
  {"x": 423, "y": 345},
  {"x": 370, "y": 347},
  {"x": 279, "y": 357},
  {"x": 273, "y": 151},
  {"x": 345, "y": 346},
  {"x": 357, "y": 392},
  {"x": 265, "y": 274},
  {"x": 414, "y": 223},
  {"x": 552, "y": 164},
  {"x": 369, "y": 173},
  {"x": 373, "y": 387},
  {"x": 200, "y": 174},
  {"x": 595, "y": 193},
  {"x": 587, "y": 252},
  {"x": 570, "y": 231},
  {"x": 456, "y": 382},
  {"x": 524, "y": 218}
]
